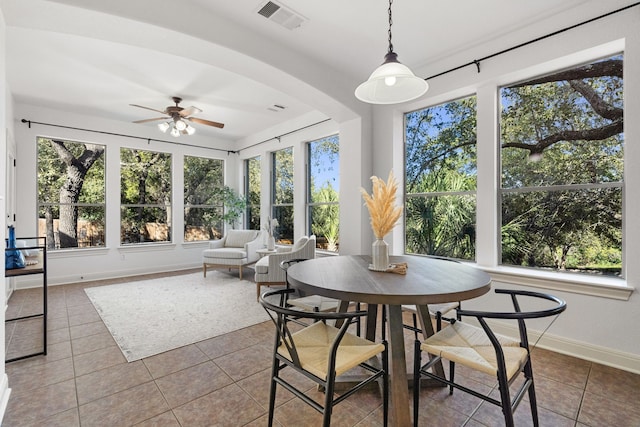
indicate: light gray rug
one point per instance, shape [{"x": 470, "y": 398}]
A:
[{"x": 153, "y": 316}]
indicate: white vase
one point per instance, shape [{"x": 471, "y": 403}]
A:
[
  {"x": 380, "y": 255},
  {"x": 271, "y": 243}
]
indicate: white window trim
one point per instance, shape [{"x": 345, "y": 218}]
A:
[{"x": 600, "y": 286}]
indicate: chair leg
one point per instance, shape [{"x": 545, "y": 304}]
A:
[
  {"x": 505, "y": 398},
  {"x": 328, "y": 399},
  {"x": 204, "y": 269},
  {"x": 528, "y": 372},
  {"x": 385, "y": 384},
  {"x": 257, "y": 291},
  {"x": 272, "y": 391},
  {"x": 240, "y": 269},
  {"x": 416, "y": 381},
  {"x": 452, "y": 374}
]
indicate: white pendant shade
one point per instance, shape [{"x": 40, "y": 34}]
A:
[{"x": 391, "y": 83}]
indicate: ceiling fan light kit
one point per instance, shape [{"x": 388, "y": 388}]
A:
[
  {"x": 392, "y": 82},
  {"x": 178, "y": 116}
]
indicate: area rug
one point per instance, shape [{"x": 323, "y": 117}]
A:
[{"x": 153, "y": 316}]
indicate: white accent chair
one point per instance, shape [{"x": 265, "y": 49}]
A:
[
  {"x": 268, "y": 270},
  {"x": 235, "y": 250}
]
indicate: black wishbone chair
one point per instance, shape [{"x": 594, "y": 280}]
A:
[
  {"x": 481, "y": 349},
  {"x": 321, "y": 352},
  {"x": 315, "y": 303}
]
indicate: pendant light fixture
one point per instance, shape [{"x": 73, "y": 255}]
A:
[{"x": 392, "y": 82}]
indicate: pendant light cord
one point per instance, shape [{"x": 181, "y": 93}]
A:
[{"x": 390, "y": 24}]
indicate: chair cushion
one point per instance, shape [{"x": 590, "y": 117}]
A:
[
  {"x": 315, "y": 303},
  {"x": 224, "y": 253},
  {"x": 238, "y": 238},
  {"x": 299, "y": 243},
  {"x": 313, "y": 343},
  {"x": 262, "y": 266},
  {"x": 469, "y": 345}
]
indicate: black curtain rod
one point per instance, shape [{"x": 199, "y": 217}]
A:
[
  {"x": 284, "y": 134},
  {"x": 476, "y": 62},
  {"x": 29, "y": 122}
]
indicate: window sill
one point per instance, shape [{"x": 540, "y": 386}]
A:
[
  {"x": 78, "y": 252},
  {"x": 606, "y": 287},
  {"x": 147, "y": 247}
]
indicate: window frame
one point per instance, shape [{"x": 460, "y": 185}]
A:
[
  {"x": 247, "y": 191},
  {"x": 435, "y": 194},
  {"x": 273, "y": 186},
  {"x": 309, "y": 205},
  {"x": 534, "y": 272},
  {"x": 167, "y": 206},
  {"x": 52, "y": 245},
  {"x": 201, "y": 206}
]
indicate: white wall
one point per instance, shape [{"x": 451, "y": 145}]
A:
[
  {"x": 593, "y": 327},
  {"x": 67, "y": 266},
  {"x": 5, "y": 111}
]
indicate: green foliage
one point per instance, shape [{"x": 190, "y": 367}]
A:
[
  {"x": 562, "y": 168},
  {"x": 441, "y": 159},
  {"x": 234, "y": 204}
]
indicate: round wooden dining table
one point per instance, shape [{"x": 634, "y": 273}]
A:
[{"x": 427, "y": 281}]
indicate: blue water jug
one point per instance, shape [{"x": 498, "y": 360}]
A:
[{"x": 13, "y": 258}]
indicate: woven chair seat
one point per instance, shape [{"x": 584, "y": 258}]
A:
[
  {"x": 315, "y": 303},
  {"x": 443, "y": 308},
  {"x": 469, "y": 345},
  {"x": 313, "y": 344}
]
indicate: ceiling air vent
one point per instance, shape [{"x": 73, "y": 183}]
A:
[{"x": 281, "y": 15}]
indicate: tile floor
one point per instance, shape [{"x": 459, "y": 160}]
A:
[{"x": 84, "y": 380}]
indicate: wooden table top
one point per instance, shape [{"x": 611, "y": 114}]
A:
[{"x": 428, "y": 280}]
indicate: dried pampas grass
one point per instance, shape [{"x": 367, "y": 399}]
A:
[{"x": 381, "y": 204}]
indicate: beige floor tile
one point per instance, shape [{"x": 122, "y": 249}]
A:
[
  {"x": 229, "y": 406},
  {"x": 86, "y": 363},
  {"x": 172, "y": 361},
  {"x": 111, "y": 380},
  {"x": 191, "y": 383},
  {"x": 126, "y": 408}
]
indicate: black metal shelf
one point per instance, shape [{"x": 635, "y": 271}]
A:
[{"x": 40, "y": 267}]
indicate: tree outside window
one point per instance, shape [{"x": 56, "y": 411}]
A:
[
  {"x": 440, "y": 180},
  {"x": 252, "y": 190},
  {"x": 282, "y": 194},
  {"x": 145, "y": 196},
  {"x": 203, "y": 208},
  {"x": 71, "y": 193},
  {"x": 562, "y": 169},
  {"x": 323, "y": 191}
]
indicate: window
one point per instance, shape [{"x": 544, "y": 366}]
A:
[
  {"x": 562, "y": 169},
  {"x": 323, "y": 191},
  {"x": 440, "y": 180},
  {"x": 252, "y": 190},
  {"x": 282, "y": 194},
  {"x": 203, "y": 210},
  {"x": 145, "y": 196},
  {"x": 71, "y": 193}
]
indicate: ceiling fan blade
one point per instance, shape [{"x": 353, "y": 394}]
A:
[
  {"x": 152, "y": 120},
  {"x": 148, "y": 108},
  {"x": 205, "y": 122},
  {"x": 190, "y": 111}
]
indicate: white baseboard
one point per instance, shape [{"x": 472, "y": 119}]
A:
[
  {"x": 36, "y": 281},
  {"x": 593, "y": 353},
  {"x": 5, "y": 391}
]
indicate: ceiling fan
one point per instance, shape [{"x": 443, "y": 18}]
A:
[{"x": 175, "y": 117}]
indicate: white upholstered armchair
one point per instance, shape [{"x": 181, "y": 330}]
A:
[
  {"x": 268, "y": 270},
  {"x": 236, "y": 249}
]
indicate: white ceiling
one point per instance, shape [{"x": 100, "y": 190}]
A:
[{"x": 96, "y": 57}]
